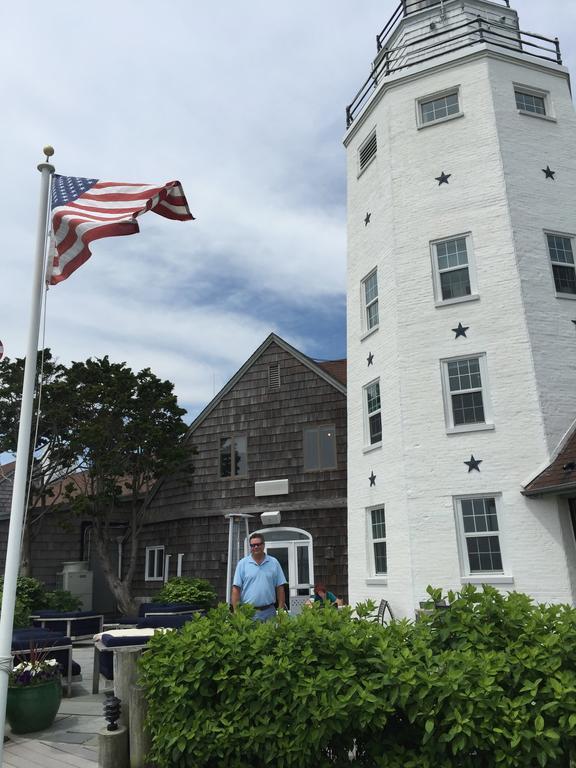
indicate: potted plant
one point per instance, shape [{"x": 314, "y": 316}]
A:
[{"x": 34, "y": 693}]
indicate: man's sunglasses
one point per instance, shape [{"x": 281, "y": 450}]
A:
[{"x": 256, "y": 544}]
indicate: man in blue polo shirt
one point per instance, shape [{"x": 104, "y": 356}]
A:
[{"x": 259, "y": 580}]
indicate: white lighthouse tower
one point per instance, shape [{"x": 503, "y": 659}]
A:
[{"x": 461, "y": 152}]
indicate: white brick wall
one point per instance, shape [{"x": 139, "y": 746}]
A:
[{"x": 498, "y": 193}]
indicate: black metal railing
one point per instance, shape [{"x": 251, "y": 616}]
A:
[
  {"x": 455, "y": 38},
  {"x": 407, "y": 7}
]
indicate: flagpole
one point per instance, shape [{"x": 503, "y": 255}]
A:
[{"x": 22, "y": 450}]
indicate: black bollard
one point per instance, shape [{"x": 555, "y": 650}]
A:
[{"x": 112, "y": 708}]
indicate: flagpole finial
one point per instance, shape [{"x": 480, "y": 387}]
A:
[{"x": 48, "y": 151}]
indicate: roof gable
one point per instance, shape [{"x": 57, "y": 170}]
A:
[{"x": 332, "y": 371}]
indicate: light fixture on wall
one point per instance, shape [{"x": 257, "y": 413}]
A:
[{"x": 270, "y": 518}]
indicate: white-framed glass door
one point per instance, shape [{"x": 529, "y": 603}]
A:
[{"x": 292, "y": 547}]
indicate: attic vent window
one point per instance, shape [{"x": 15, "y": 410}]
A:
[
  {"x": 367, "y": 151},
  {"x": 274, "y": 376}
]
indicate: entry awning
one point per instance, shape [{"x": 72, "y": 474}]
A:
[{"x": 559, "y": 477}]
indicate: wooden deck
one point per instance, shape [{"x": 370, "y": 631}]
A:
[{"x": 40, "y": 754}]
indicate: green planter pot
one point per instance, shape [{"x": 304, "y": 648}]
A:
[{"x": 33, "y": 707}]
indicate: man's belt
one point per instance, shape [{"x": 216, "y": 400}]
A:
[{"x": 263, "y": 607}]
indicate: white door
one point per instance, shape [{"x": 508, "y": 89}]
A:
[{"x": 292, "y": 547}]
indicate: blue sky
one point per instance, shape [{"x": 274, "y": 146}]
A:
[{"x": 243, "y": 101}]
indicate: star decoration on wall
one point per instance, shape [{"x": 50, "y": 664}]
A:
[
  {"x": 367, "y": 219},
  {"x": 370, "y": 358},
  {"x": 548, "y": 173},
  {"x": 372, "y": 479},
  {"x": 461, "y": 330},
  {"x": 473, "y": 464},
  {"x": 443, "y": 178}
]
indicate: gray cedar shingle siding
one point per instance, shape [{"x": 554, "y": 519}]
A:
[
  {"x": 273, "y": 422},
  {"x": 57, "y": 538},
  {"x": 6, "y": 485},
  {"x": 205, "y": 545},
  {"x": 186, "y": 514}
]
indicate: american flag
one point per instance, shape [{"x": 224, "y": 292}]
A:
[{"x": 88, "y": 209}]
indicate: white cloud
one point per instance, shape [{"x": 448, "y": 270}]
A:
[{"x": 244, "y": 103}]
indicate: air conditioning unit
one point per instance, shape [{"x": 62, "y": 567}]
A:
[{"x": 77, "y": 579}]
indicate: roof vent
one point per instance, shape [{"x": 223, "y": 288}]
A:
[{"x": 274, "y": 376}]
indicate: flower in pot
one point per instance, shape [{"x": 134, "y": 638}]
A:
[{"x": 34, "y": 693}]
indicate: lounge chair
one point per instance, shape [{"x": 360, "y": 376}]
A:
[
  {"x": 56, "y": 646},
  {"x": 77, "y": 625}
]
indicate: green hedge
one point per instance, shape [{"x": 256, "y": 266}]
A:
[
  {"x": 31, "y": 595},
  {"x": 181, "y": 589},
  {"x": 491, "y": 681}
]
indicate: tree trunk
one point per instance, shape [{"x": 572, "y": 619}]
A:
[{"x": 121, "y": 589}]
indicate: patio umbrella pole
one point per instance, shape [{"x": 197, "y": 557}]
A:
[{"x": 229, "y": 564}]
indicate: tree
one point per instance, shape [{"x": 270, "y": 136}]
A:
[
  {"x": 50, "y": 455},
  {"x": 104, "y": 436},
  {"x": 127, "y": 433}
]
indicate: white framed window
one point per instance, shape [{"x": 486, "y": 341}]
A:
[
  {"x": 479, "y": 535},
  {"x": 376, "y": 521},
  {"x": 234, "y": 456},
  {"x": 367, "y": 151},
  {"x": 533, "y": 102},
  {"x": 319, "y": 448},
  {"x": 465, "y": 388},
  {"x": 561, "y": 252},
  {"x": 154, "y": 564},
  {"x": 438, "y": 107},
  {"x": 453, "y": 269},
  {"x": 370, "y": 314},
  {"x": 372, "y": 413}
]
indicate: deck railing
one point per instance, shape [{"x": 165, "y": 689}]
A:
[
  {"x": 407, "y": 7},
  {"x": 454, "y": 38}
]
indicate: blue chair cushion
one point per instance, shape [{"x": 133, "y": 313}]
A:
[
  {"x": 154, "y": 622},
  {"x": 51, "y": 614},
  {"x": 84, "y": 622},
  {"x": 110, "y": 641},
  {"x": 129, "y": 620},
  {"x": 106, "y": 658},
  {"x": 146, "y": 608},
  {"x": 106, "y": 664},
  {"x": 24, "y": 639}
]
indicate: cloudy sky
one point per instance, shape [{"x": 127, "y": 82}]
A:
[{"x": 242, "y": 101}]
